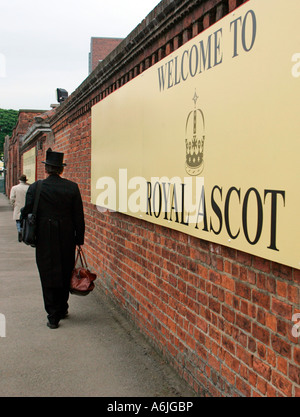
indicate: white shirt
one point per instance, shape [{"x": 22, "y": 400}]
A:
[{"x": 17, "y": 198}]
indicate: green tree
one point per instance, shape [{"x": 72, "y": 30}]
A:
[{"x": 8, "y": 120}]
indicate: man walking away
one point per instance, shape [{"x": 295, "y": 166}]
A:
[
  {"x": 17, "y": 199},
  {"x": 60, "y": 227}
]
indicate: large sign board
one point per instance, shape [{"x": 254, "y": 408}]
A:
[
  {"x": 206, "y": 141},
  {"x": 29, "y": 165}
]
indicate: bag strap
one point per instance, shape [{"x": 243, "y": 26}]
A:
[
  {"x": 80, "y": 255},
  {"x": 77, "y": 255},
  {"x": 37, "y": 196},
  {"x": 83, "y": 257}
]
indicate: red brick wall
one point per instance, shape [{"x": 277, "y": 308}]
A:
[
  {"x": 223, "y": 318},
  {"x": 14, "y": 169}
]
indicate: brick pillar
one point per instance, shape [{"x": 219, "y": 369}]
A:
[
  {"x": 206, "y": 21},
  {"x": 161, "y": 53},
  {"x": 185, "y": 36},
  {"x": 168, "y": 48},
  {"x": 176, "y": 43},
  {"x": 195, "y": 29},
  {"x": 147, "y": 63},
  {"x": 232, "y": 4},
  {"x": 221, "y": 11}
]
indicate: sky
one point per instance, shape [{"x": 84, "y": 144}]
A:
[{"x": 44, "y": 45}]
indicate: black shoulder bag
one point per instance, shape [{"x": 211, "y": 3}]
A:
[{"x": 29, "y": 224}]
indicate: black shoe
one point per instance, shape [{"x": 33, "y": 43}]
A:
[
  {"x": 20, "y": 236},
  {"x": 52, "y": 325}
]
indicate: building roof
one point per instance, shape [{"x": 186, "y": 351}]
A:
[{"x": 100, "y": 48}]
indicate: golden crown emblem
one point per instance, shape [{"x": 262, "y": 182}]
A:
[{"x": 194, "y": 140}]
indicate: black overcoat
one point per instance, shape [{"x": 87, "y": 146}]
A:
[{"x": 60, "y": 227}]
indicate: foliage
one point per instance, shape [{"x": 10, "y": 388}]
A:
[{"x": 8, "y": 120}]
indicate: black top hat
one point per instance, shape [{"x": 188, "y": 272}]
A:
[{"x": 54, "y": 158}]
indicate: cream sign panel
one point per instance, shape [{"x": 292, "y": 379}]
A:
[
  {"x": 29, "y": 165},
  {"x": 207, "y": 140}
]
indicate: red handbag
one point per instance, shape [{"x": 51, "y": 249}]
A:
[{"x": 82, "y": 280}]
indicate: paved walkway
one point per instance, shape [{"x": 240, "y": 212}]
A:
[{"x": 94, "y": 352}]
